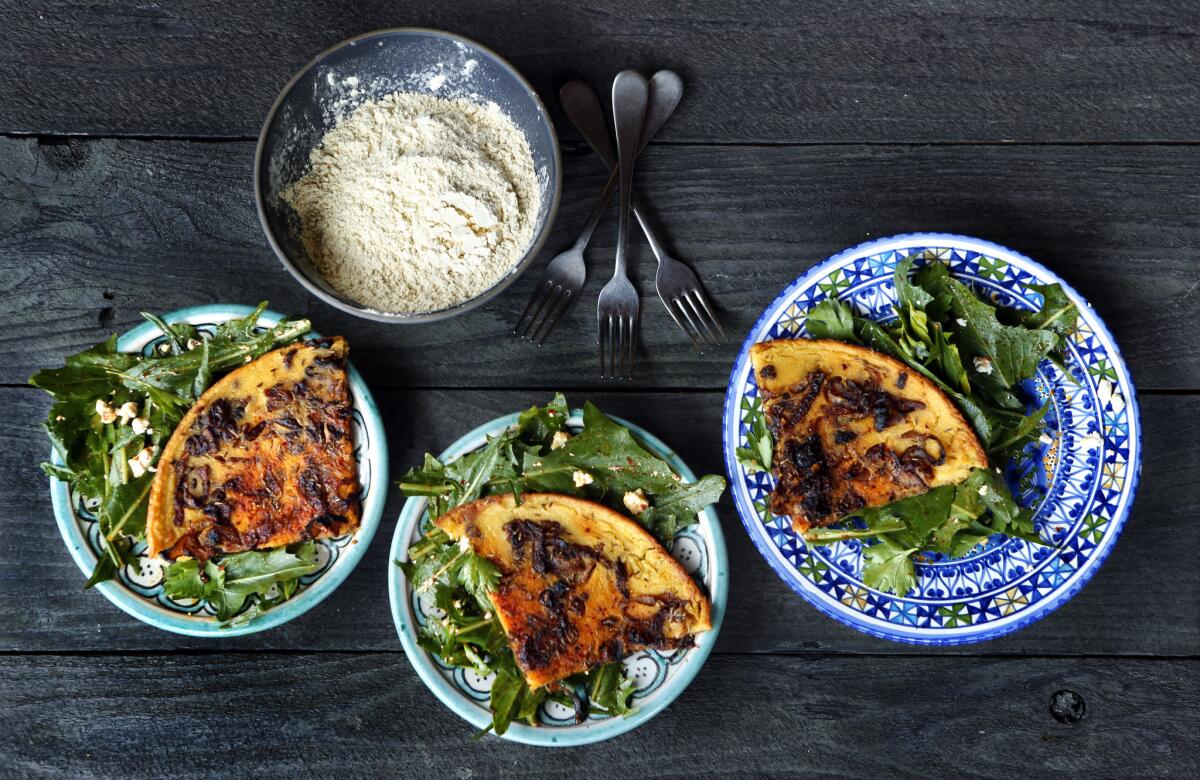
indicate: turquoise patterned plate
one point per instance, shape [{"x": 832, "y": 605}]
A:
[
  {"x": 1085, "y": 470},
  {"x": 660, "y": 677},
  {"x": 138, "y": 590}
]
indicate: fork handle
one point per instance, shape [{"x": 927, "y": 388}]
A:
[
  {"x": 630, "y": 93},
  {"x": 583, "y": 108}
]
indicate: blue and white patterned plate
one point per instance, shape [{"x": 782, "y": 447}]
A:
[
  {"x": 660, "y": 677},
  {"x": 1085, "y": 470},
  {"x": 138, "y": 590}
]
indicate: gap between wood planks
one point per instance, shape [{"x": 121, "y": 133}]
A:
[
  {"x": 578, "y": 147},
  {"x": 916, "y": 652}
]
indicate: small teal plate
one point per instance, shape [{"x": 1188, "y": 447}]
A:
[
  {"x": 660, "y": 677},
  {"x": 1085, "y": 471},
  {"x": 138, "y": 591}
]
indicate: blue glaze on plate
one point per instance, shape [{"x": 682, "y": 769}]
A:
[
  {"x": 660, "y": 677},
  {"x": 140, "y": 594},
  {"x": 1088, "y": 468}
]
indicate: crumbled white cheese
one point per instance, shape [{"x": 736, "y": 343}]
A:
[
  {"x": 127, "y": 412},
  {"x": 164, "y": 348},
  {"x": 560, "y": 440},
  {"x": 983, "y": 365},
  {"x": 105, "y": 410},
  {"x": 635, "y": 501},
  {"x": 464, "y": 544},
  {"x": 1045, "y": 439},
  {"x": 983, "y": 490},
  {"x": 961, "y": 322},
  {"x": 582, "y": 478},
  {"x": 140, "y": 463},
  {"x": 140, "y": 425},
  {"x": 248, "y": 359},
  {"x": 193, "y": 343}
]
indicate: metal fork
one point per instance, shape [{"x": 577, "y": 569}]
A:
[
  {"x": 617, "y": 310},
  {"x": 677, "y": 285},
  {"x": 565, "y": 274}
]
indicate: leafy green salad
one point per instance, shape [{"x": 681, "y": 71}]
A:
[
  {"x": 539, "y": 453},
  {"x": 113, "y": 412},
  {"x": 979, "y": 354}
]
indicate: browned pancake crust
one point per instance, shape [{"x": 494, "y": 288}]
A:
[
  {"x": 581, "y": 585},
  {"x": 264, "y": 459},
  {"x": 854, "y": 428}
]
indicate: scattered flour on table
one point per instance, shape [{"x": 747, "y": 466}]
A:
[{"x": 414, "y": 203}]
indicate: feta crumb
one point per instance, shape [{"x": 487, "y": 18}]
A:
[
  {"x": 582, "y": 478},
  {"x": 105, "y": 411},
  {"x": 983, "y": 365},
  {"x": 464, "y": 544},
  {"x": 560, "y": 440},
  {"x": 635, "y": 501},
  {"x": 193, "y": 343},
  {"x": 248, "y": 359},
  {"x": 983, "y": 490},
  {"x": 1045, "y": 439},
  {"x": 140, "y": 425},
  {"x": 961, "y": 322},
  {"x": 140, "y": 463},
  {"x": 127, "y": 412},
  {"x": 164, "y": 348}
]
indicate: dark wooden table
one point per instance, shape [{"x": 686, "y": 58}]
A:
[{"x": 1067, "y": 131}]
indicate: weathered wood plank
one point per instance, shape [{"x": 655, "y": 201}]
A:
[
  {"x": 775, "y": 71},
  {"x": 354, "y": 715},
  {"x": 91, "y": 232},
  {"x": 1142, "y": 602}
]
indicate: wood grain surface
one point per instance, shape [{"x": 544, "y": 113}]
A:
[
  {"x": 1065, "y": 130},
  {"x": 763, "y": 72},
  {"x": 335, "y": 714}
]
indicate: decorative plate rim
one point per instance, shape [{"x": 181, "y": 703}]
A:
[
  {"x": 411, "y": 513},
  {"x": 752, "y": 523},
  {"x": 302, "y": 602}
]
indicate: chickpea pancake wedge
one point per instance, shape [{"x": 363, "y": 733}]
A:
[
  {"x": 581, "y": 585},
  {"x": 854, "y": 428},
  {"x": 262, "y": 460}
]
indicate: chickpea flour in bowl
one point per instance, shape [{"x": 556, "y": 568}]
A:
[{"x": 407, "y": 175}]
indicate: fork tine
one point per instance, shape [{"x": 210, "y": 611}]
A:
[
  {"x": 622, "y": 341},
  {"x": 671, "y": 309},
  {"x": 698, "y": 339},
  {"x": 603, "y": 337},
  {"x": 700, "y": 296},
  {"x": 707, "y": 333},
  {"x": 614, "y": 345},
  {"x": 632, "y": 345},
  {"x": 545, "y": 294},
  {"x": 556, "y": 309},
  {"x": 538, "y": 293}
]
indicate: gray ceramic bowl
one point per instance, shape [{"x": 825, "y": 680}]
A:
[{"x": 370, "y": 66}]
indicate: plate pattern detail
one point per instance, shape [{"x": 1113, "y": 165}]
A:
[
  {"x": 1083, "y": 472},
  {"x": 658, "y": 676},
  {"x": 138, "y": 589}
]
